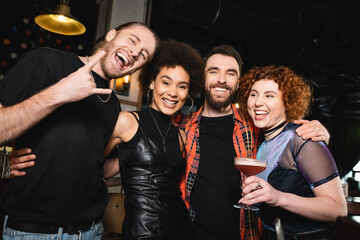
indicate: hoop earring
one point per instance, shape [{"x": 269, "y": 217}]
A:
[
  {"x": 148, "y": 97},
  {"x": 192, "y": 104}
]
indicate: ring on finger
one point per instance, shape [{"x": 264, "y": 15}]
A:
[{"x": 259, "y": 186}]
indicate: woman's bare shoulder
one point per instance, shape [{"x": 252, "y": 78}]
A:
[{"x": 126, "y": 125}]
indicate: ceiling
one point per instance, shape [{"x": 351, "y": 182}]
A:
[{"x": 317, "y": 35}]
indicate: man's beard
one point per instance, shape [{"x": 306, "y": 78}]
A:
[
  {"x": 219, "y": 104},
  {"x": 107, "y": 72}
]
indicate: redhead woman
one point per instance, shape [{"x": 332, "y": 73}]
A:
[{"x": 301, "y": 184}]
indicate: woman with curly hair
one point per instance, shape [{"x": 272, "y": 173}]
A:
[
  {"x": 301, "y": 184},
  {"x": 150, "y": 148}
]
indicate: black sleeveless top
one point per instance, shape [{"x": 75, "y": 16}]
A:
[{"x": 153, "y": 205}]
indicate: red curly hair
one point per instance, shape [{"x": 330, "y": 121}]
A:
[{"x": 296, "y": 91}]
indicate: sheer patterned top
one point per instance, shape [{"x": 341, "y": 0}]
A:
[{"x": 301, "y": 166}]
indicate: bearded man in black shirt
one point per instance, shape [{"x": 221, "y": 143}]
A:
[
  {"x": 58, "y": 105},
  {"x": 215, "y": 134}
]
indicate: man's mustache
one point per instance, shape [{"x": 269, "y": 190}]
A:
[{"x": 221, "y": 85}]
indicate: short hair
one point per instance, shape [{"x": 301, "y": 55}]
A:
[
  {"x": 101, "y": 42},
  {"x": 227, "y": 51},
  {"x": 296, "y": 90},
  {"x": 172, "y": 53}
]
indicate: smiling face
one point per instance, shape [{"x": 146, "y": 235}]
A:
[
  {"x": 221, "y": 81},
  {"x": 170, "y": 90},
  {"x": 265, "y": 104},
  {"x": 127, "y": 50}
]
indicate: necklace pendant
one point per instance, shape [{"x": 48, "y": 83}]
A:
[
  {"x": 163, "y": 137},
  {"x": 164, "y": 145}
]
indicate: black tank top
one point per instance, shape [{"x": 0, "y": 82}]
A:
[{"x": 153, "y": 204}]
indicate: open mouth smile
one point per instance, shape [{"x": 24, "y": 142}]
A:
[
  {"x": 260, "y": 113},
  {"x": 169, "y": 102},
  {"x": 123, "y": 59}
]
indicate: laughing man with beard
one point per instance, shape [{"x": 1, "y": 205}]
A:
[
  {"x": 215, "y": 134},
  {"x": 58, "y": 104}
]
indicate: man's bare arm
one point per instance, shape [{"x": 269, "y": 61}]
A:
[{"x": 16, "y": 119}]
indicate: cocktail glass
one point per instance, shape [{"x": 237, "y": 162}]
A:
[{"x": 249, "y": 167}]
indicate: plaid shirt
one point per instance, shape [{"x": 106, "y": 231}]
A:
[{"x": 246, "y": 141}]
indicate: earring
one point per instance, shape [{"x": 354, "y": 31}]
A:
[
  {"x": 192, "y": 104},
  {"x": 148, "y": 97}
]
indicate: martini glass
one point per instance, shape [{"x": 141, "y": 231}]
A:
[{"x": 249, "y": 167}]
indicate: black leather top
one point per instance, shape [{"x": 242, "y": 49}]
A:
[{"x": 153, "y": 204}]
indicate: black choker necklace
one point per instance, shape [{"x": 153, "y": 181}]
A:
[{"x": 270, "y": 131}]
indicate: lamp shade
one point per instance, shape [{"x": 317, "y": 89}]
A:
[{"x": 61, "y": 21}]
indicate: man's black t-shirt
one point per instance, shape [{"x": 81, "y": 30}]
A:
[
  {"x": 65, "y": 186},
  {"x": 217, "y": 185}
]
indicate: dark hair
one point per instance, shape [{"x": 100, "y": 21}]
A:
[
  {"x": 296, "y": 91},
  {"x": 227, "y": 51},
  {"x": 100, "y": 42},
  {"x": 172, "y": 53}
]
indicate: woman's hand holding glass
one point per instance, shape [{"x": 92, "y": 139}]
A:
[{"x": 256, "y": 190}]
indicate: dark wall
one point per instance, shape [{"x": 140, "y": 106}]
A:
[{"x": 318, "y": 39}]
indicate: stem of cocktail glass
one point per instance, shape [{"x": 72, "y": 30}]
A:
[{"x": 249, "y": 149}]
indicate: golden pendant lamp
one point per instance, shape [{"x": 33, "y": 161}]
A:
[{"x": 61, "y": 21}]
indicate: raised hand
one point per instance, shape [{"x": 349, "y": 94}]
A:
[
  {"x": 79, "y": 84},
  {"x": 20, "y": 159}
]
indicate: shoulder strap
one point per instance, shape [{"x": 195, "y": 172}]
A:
[
  {"x": 135, "y": 117},
  {"x": 142, "y": 131}
]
